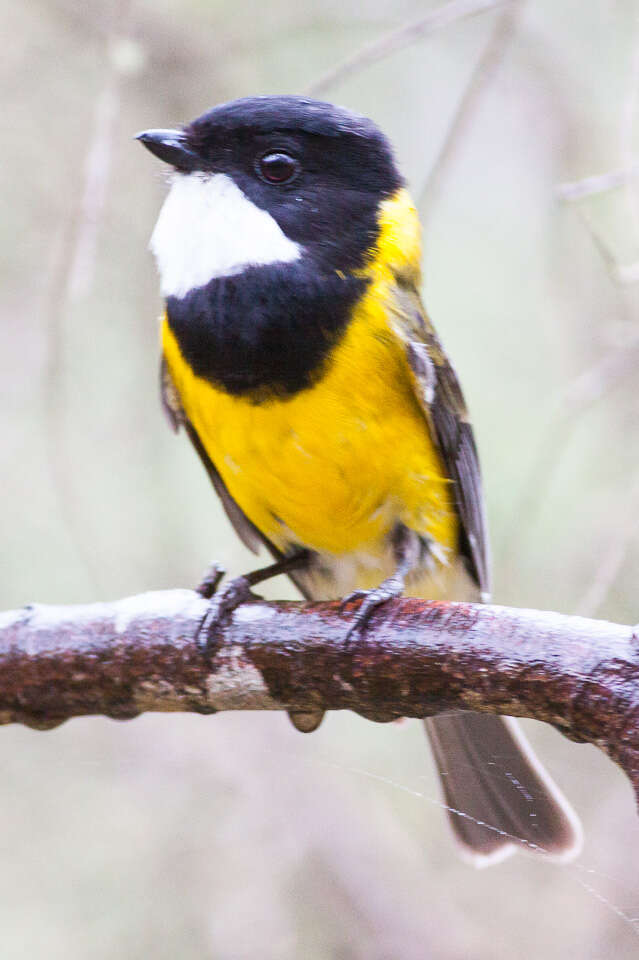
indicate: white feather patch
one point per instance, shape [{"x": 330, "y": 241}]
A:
[{"x": 208, "y": 228}]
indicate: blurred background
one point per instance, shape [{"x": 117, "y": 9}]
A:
[{"x": 234, "y": 836}]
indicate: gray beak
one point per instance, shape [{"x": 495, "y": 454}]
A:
[{"x": 170, "y": 146}]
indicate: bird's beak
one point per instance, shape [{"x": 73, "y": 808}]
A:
[{"x": 170, "y": 146}]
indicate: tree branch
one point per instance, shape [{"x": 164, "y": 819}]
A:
[
  {"x": 416, "y": 658},
  {"x": 403, "y": 37},
  {"x": 489, "y": 62}
]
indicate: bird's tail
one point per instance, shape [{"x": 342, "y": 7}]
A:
[{"x": 499, "y": 796}]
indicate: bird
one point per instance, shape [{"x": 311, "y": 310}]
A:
[{"x": 297, "y": 355}]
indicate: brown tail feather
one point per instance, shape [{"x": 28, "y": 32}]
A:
[{"x": 504, "y": 796}]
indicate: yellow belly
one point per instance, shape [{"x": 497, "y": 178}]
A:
[{"x": 335, "y": 467}]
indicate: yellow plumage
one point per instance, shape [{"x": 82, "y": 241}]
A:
[{"x": 336, "y": 466}]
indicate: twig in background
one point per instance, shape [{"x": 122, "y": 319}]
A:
[
  {"x": 604, "y": 375},
  {"x": 81, "y": 269},
  {"x": 574, "y": 190},
  {"x": 622, "y": 273},
  {"x": 399, "y": 39},
  {"x": 624, "y": 532},
  {"x": 485, "y": 69},
  {"x": 625, "y": 177},
  {"x": 628, "y": 148},
  {"x": 72, "y": 271},
  {"x": 586, "y": 389}
]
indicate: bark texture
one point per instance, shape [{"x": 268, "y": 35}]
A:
[{"x": 414, "y": 659}]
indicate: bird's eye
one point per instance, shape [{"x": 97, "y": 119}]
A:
[{"x": 277, "y": 167}]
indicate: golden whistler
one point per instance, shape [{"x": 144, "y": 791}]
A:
[{"x": 300, "y": 360}]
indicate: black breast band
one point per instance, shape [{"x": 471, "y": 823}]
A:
[{"x": 266, "y": 331}]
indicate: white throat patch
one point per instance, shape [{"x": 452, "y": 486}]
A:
[{"x": 208, "y": 228}]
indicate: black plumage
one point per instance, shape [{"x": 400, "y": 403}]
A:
[{"x": 266, "y": 332}]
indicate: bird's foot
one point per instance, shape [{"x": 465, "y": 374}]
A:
[
  {"x": 239, "y": 591},
  {"x": 222, "y": 602},
  {"x": 371, "y": 600}
]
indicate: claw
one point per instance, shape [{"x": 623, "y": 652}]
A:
[
  {"x": 351, "y": 597},
  {"x": 388, "y": 590},
  {"x": 210, "y": 581},
  {"x": 222, "y": 604},
  {"x": 238, "y": 591}
]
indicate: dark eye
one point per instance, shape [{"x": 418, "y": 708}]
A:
[{"x": 277, "y": 167}]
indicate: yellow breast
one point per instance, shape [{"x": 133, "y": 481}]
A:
[{"x": 335, "y": 466}]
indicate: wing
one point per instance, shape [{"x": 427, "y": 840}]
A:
[
  {"x": 441, "y": 399},
  {"x": 248, "y": 533}
]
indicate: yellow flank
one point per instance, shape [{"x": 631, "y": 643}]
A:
[{"x": 335, "y": 467}]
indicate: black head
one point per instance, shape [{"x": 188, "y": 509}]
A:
[{"x": 319, "y": 170}]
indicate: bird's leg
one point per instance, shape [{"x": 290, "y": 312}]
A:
[
  {"x": 407, "y": 546},
  {"x": 238, "y": 591}
]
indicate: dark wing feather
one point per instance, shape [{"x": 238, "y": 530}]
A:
[{"x": 439, "y": 394}]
